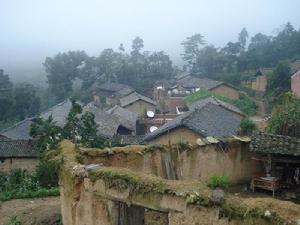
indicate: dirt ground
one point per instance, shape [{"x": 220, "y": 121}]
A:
[
  {"x": 286, "y": 209},
  {"x": 38, "y": 211}
]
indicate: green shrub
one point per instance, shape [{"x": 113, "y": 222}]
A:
[
  {"x": 23, "y": 184},
  {"x": 219, "y": 181},
  {"x": 47, "y": 174},
  {"x": 14, "y": 220},
  {"x": 247, "y": 126},
  {"x": 42, "y": 192},
  {"x": 244, "y": 103}
]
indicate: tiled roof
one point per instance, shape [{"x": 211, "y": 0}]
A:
[
  {"x": 17, "y": 148},
  {"x": 107, "y": 124},
  {"x": 21, "y": 130},
  {"x": 112, "y": 87},
  {"x": 124, "y": 92},
  {"x": 126, "y": 118},
  {"x": 218, "y": 102},
  {"x": 59, "y": 112},
  {"x": 275, "y": 144},
  {"x": 133, "y": 97},
  {"x": 295, "y": 66},
  {"x": 130, "y": 139},
  {"x": 202, "y": 83},
  {"x": 209, "y": 120}
]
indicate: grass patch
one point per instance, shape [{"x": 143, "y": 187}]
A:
[
  {"x": 219, "y": 181},
  {"x": 122, "y": 179},
  {"x": 244, "y": 103},
  {"x": 14, "y": 220},
  {"x": 43, "y": 192}
]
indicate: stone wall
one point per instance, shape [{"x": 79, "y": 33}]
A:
[{"x": 8, "y": 164}]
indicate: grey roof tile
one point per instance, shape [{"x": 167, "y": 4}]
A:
[
  {"x": 133, "y": 97},
  {"x": 126, "y": 118},
  {"x": 275, "y": 144},
  {"x": 203, "y": 102},
  {"x": 209, "y": 120},
  {"x": 17, "y": 148}
]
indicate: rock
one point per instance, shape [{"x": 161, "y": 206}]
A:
[
  {"x": 267, "y": 213},
  {"x": 217, "y": 196}
]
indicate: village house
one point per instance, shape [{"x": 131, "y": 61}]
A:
[
  {"x": 111, "y": 92},
  {"x": 127, "y": 118},
  {"x": 187, "y": 85},
  {"x": 138, "y": 104},
  {"x": 21, "y": 130},
  {"x": 280, "y": 157},
  {"x": 295, "y": 66},
  {"x": 209, "y": 120},
  {"x": 230, "y": 108},
  {"x": 295, "y": 84},
  {"x": 17, "y": 154},
  {"x": 259, "y": 81},
  {"x": 112, "y": 122}
]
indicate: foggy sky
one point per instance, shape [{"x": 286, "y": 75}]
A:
[{"x": 34, "y": 29}]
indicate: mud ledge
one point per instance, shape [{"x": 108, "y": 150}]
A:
[{"x": 115, "y": 184}]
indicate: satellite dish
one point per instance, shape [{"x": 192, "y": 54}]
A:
[
  {"x": 150, "y": 114},
  {"x": 153, "y": 128}
]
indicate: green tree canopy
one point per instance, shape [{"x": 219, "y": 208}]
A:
[
  {"x": 26, "y": 101},
  {"x": 6, "y": 96}
]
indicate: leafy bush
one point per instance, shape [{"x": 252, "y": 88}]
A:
[
  {"x": 23, "y": 184},
  {"x": 245, "y": 104},
  {"x": 39, "y": 193},
  {"x": 14, "y": 220},
  {"x": 285, "y": 118},
  {"x": 247, "y": 126},
  {"x": 219, "y": 181},
  {"x": 47, "y": 174}
]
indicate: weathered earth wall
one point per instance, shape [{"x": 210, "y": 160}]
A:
[
  {"x": 107, "y": 195},
  {"x": 18, "y": 163},
  {"x": 182, "y": 162}
]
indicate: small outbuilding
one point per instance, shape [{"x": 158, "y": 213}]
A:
[{"x": 17, "y": 154}]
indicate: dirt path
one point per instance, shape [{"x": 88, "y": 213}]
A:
[
  {"x": 36, "y": 211},
  {"x": 287, "y": 210}
]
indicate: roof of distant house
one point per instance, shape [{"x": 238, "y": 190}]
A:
[
  {"x": 17, "y": 149},
  {"x": 130, "y": 139},
  {"x": 124, "y": 92},
  {"x": 202, "y": 83},
  {"x": 133, "y": 97},
  {"x": 295, "y": 66},
  {"x": 21, "y": 130},
  {"x": 218, "y": 102},
  {"x": 209, "y": 120},
  {"x": 112, "y": 86},
  {"x": 296, "y": 74},
  {"x": 275, "y": 144},
  {"x": 264, "y": 71},
  {"x": 126, "y": 118},
  {"x": 59, "y": 112},
  {"x": 108, "y": 123},
  {"x": 182, "y": 75}
]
